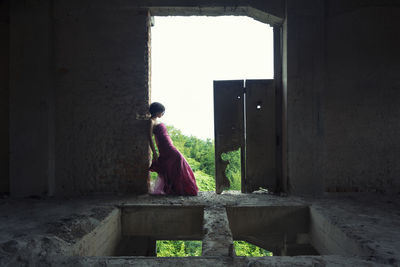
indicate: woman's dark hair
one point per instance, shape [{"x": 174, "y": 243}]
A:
[{"x": 155, "y": 108}]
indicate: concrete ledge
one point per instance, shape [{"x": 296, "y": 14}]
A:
[{"x": 227, "y": 261}]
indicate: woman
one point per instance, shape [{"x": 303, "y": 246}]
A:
[{"x": 175, "y": 176}]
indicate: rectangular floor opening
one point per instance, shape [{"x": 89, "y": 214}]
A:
[
  {"x": 144, "y": 225},
  {"x": 133, "y": 230},
  {"x": 282, "y": 230},
  {"x": 141, "y": 230}
]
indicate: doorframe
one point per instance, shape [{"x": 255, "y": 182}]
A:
[{"x": 279, "y": 41}]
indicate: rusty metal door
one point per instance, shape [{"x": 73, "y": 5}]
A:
[{"x": 245, "y": 118}]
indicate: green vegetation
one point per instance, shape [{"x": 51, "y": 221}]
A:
[
  {"x": 243, "y": 248},
  {"x": 233, "y": 170},
  {"x": 178, "y": 248}
]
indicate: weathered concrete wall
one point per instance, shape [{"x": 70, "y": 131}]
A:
[
  {"x": 4, "y": 63},
  {"x": 101, "y": 78},
  {"x": 30, "y": 85},
  {"x": 79, "y": 90},
  {"x": 78, "y": 95},
  {"x": 303, "y": 83},
  {"x": 362, "y": 96},
  {"x": 341, "y": 79}
]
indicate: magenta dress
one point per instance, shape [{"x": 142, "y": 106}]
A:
[{"x": 175, "y": 177}]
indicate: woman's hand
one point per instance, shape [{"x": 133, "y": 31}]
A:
[{"x": 150, "y": 136}]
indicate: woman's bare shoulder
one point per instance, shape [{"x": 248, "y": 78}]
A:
[{"x": 154, "y": 123}]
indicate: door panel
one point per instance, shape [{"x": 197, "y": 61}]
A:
[
  {"x": 245, "y": 118},
  {"x": 260, "y": 135},
  {"x": 228, "y": 125}
]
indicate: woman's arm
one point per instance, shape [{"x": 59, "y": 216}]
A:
[{"x": 153, "y": 149}]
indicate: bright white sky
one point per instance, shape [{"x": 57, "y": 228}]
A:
[{"x": 189, "y": 53}]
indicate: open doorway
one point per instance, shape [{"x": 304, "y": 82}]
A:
[{"x": 187, "y": 55}]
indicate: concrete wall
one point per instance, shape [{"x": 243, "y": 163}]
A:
[
  {"x": 79, "y": 91},
  {"x": 4, "y": 64},
  {"x": 341, "y": 80},
  {"x": 102, "y": 95},
  {"x": 303, "y": 83},
  {"x": 78, "y": 96},
  {"x": 362, "y": 96},
  {"x": 30, "y": 105}
]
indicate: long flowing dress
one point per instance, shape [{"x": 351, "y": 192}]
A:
[{"x": 175, "y": 176}]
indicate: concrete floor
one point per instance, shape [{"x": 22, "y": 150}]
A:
[{"x": 61, "y": 232}]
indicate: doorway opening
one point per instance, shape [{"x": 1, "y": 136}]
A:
[{"x": 187, "y": 55}]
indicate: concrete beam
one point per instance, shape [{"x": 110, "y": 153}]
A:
[
  {"x": 271, "y": 12},
  {"x": 163, "y": 222},
  {"x": 217, "y": 240}
]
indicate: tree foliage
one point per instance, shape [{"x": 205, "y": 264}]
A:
[
  {"x": 233, "y": 170},
  {"x": 178, "y": 248},
  {"x": 243, "y": 248}
]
